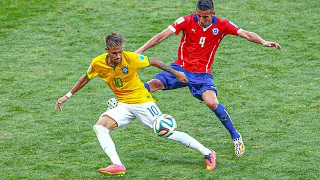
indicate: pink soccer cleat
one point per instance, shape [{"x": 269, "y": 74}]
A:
[
  {"x": 210, "y": 160},
  {"x": 113, "y": 169}
]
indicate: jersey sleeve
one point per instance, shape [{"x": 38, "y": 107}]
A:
[
  {"x": 231, "y": 28},
  {"x": 138, "y": 60},
  {"x": 92, "y": 72},
  {"x": 179, "y": 24}
]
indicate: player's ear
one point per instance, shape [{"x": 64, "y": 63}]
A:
[
  {"x": 106, "y": 49},
  {"x": 213, "y": 13}
]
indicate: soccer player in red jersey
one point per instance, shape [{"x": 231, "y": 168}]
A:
[{"x": 202, "y": 33}]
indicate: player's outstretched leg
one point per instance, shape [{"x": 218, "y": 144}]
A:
[
  {"x": 187, "y": 140},
  {"x": 113, "y": 169},
  {"x": 112, "y": 103},
  {"x": 107, "y": 144},
  {"x": 225, "y": 119}
]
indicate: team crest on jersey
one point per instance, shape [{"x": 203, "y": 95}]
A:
[
  {"x": 125, "y": 69},
  {"x": 230, "y": 22},
  {"x": 215, "y": 31}
]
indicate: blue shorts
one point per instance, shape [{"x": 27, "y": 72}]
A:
[{"x": 198, "y": 82}]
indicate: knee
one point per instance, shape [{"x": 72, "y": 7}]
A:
[
  {"x": 212, "y": 104},
  {"x": 155, "y": 84},
  {"x": 98, "y": 128},
  {"x": 106, "y": 122},
  {"x": 210, "y": 99}
]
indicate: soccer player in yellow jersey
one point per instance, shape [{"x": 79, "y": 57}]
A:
[{"x": 119, "y": 69}]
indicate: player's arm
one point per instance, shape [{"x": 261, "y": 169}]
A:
[
  {"x": 155, "y": 40},
  {"x": 180, "y": 75},
  {"x": 79, "y": 84},
  {"x": 253, "y": 37}
]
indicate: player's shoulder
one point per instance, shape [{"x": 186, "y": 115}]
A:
[
  {"x": 221, "y": 20},
  {"x": 186, "y": 18},
  {"x": 191, "y": 18},
  {"x": 129, "y": 54},
  {"x": 133, "y": 56},
  {"x": 224, "y": 22},
  {"x": 101, "y": 57}
]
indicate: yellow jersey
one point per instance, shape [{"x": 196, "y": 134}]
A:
[{"x": 123, "y": 79}]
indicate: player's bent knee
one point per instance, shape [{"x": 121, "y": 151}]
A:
[
  {"x": 99, "y": 128},
  {"x": 212, "y": 105},
  {"x": 107, "y": 122},
  {"x": 155, "y": 84}
]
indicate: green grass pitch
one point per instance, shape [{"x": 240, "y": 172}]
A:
[{"x": 273, "y": 97}]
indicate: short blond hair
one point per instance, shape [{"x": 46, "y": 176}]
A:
[{"x": 114, "y": 39}]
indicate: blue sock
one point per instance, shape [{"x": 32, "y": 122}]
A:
[
  {"x": 224, "y": 117},
  {"x": 146, "y": 85}
]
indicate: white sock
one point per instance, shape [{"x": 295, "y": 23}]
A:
[
  {"x": 189, "y": 141},
  {"x": 107, "y": 143}
]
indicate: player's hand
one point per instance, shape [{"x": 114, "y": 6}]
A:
[
  {"x": 60, "y": 101},
  {"x": 181, "y": 77},
  {"x": 271, "y": 44}
]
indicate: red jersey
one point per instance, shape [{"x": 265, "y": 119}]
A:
[{"x": 198, "y": 45}]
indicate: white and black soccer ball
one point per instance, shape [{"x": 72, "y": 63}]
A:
[{"x": 164, "y": 125}]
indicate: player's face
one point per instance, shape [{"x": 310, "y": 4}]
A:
[
  {"x": 115, "y": 54},
  {"x": 205, "y": 17}
]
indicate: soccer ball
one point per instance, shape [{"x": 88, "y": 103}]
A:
[{"x": 164, "y": 125}]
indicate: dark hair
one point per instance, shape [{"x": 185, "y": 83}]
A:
[
  {"x": 205, "y": 5},
  {"x": 114, "y": 39}
]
